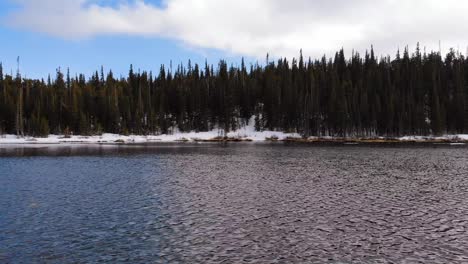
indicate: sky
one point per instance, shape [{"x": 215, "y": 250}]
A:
[{"x": 84, "y": 35}]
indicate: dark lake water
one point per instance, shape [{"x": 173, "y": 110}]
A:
[{"x": 240, "y": 203}]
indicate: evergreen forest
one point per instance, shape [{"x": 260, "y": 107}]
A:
[{"x": 413, "y": 93}]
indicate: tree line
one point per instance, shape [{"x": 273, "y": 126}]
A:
[{"x": 412, "y": 94}]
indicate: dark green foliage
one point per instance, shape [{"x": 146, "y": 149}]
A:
[
  {"x": 413, "y": 94},
  {"x": 41, "y": 127}
]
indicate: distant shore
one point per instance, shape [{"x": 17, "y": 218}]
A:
[{"x": 246, "y": 134}]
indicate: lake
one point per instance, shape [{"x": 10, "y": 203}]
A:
[{"x": 234, "y": 203}]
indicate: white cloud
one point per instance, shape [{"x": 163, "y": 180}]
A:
[{"x": 253, "y": 28}]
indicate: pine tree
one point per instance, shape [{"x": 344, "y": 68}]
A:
[
  {"x": 2, "y": 99},
  {"x": 19, "y": 104}
]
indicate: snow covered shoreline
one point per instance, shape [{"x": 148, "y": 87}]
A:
[{"x": 244, "y": 134}]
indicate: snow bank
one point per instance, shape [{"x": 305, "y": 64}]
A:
[
  {"x": 246, "y": 133},
  {"x": 460, "y": 137}
]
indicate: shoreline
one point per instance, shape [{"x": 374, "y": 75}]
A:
[
  {"x": 246, "y": 133},
  {"x": 213, "y": 137}
]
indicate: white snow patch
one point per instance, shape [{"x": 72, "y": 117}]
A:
[{"x": 459, "y": 137}]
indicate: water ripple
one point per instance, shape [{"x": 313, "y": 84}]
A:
[{"x": 237, "y": 204}]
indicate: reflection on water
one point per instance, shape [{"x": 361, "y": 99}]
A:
[{"x": 252, "y": 203}]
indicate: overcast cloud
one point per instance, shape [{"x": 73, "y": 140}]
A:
[{"x": 255, "y": 27}]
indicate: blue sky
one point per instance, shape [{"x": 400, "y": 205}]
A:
[{"x": 85, "y": 34}]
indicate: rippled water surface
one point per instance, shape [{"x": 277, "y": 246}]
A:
[{"x": 243, "y": 203}]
